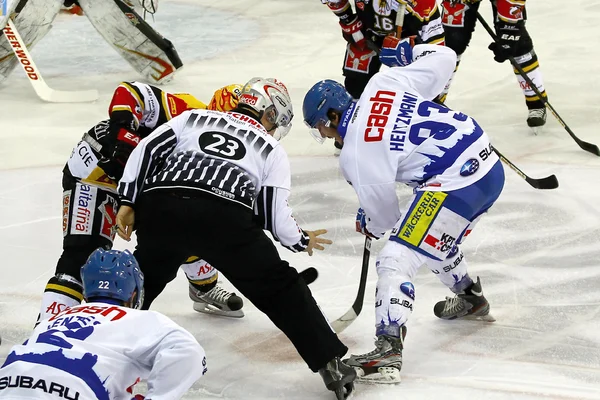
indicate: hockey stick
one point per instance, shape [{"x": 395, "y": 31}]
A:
[
  {"x": 549, "y": 182},
  {"x": 400, "y": 19},
  {"x": 345, "y": 320},
  {"x": 590, "y": 147},
  {"x": 45, "y": 92}
]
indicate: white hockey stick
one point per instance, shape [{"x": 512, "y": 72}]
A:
[{"x": 45, "y": 92}]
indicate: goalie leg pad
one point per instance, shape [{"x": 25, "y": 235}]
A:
[{"x": 148, "y": 52}]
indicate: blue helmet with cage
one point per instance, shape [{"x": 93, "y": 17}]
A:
[
  {"x": 115, "y": 275},
  {"x": 324, "y": 96}
]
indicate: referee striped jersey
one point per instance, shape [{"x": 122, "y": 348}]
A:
[{"x": 228, "y": 155}]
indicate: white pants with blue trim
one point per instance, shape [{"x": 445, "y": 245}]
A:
[{"x": 433, "y": 226}]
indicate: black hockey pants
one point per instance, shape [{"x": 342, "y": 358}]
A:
[{"x": 173, "y": 226}]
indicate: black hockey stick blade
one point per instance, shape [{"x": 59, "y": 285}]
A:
[
  {"x": 348, "y": 318},
  {"x": 309, "y": 275},
  {"x": 549, "y": 182},
  {"x": 589, "y": 147}
]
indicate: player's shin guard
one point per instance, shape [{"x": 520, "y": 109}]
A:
[
  {"x": 62, "y": 291},
  {"x": 537, "y": 110}
]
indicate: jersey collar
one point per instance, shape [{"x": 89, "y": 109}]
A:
[{"x": 345, "y": 119}]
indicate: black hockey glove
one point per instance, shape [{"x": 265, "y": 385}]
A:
[
  {"x": 111, "y": 168},
  {"x": 114, "y": 165},
  {"x": 508, "y": 38},
  {"x": 126, "y": 142}
]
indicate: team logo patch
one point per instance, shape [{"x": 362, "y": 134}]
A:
[
  {"x": 453, "y": 14},
  {"x": 249, "y": 99},
  {"x": 453, "y": 252},
  {"x": 443, "y": 244},
  {"x": 408, "y": 289},
  {"x": 66, "y": 208},
  {"x": 469, "y": 168}
]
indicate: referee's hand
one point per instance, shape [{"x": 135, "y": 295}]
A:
[
  {"x": 125, "y": 220},
  {"x": 316, "y": 242}
]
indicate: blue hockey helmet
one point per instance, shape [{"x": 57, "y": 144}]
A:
[
  {"x": 115, "y": 275},
  {"x": 324, "y": 96}
]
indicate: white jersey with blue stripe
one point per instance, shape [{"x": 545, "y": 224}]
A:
[
  {"x": 395, "y": 133},
  {"x": 98, "y": 351}
]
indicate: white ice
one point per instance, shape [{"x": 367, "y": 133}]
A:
[{"x": 537, "y": 252}]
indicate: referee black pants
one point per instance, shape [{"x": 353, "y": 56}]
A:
[{"x": 171, "y": 227}]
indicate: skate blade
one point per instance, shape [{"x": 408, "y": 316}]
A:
[
  {"x": 537, "y": 130},
  {"x": 484, "y": 318},
  {"x": 387, "y": 375},
  {"x": 210, "y": 309}
]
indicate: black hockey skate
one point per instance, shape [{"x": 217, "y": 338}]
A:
[
  {"x": 339, "y": 378},
  {"x": 536, "y": 119},
  {"x": 217, "y": 301},
  {"x": 383, "y": 364},
  {"x": 470, "y": 304}
]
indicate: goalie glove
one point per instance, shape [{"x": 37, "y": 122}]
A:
[
  {"x": 509, "y": 35},
  {"x": 396, "y": 52}
]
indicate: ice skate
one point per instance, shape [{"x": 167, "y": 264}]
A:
[
  {"x": 339, "y": 378},
  {"x": 217, "y": 301},
  {"x": 383, "y": 364},
  {"x": 536, "y": 119},
  {"x": 470, "y": 304}
]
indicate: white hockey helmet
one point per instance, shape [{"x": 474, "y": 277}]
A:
[{"x": 271, "y": 98}]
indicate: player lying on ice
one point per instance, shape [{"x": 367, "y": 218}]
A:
[
  {"x": 395, "y": 133},
  {"x": 101, "y": 349}
]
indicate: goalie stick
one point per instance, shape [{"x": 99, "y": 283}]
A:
[
  {"x": 345, "y": 320},
  {"x": 42, "y": 89},
  {"x": 590, "y": 147}
]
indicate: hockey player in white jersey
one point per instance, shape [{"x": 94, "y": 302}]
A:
[
  {"x": 395, "y": 133},
  {"x": 101, "y": 349}
]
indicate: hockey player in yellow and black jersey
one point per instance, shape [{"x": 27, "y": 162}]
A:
[
  {"x": 365, "y": 29},
  {"x": 90, "y": 202},
  {"x": 459, "y": 19}
]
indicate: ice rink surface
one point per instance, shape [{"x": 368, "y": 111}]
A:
[{"x": 537, "y": 252}]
